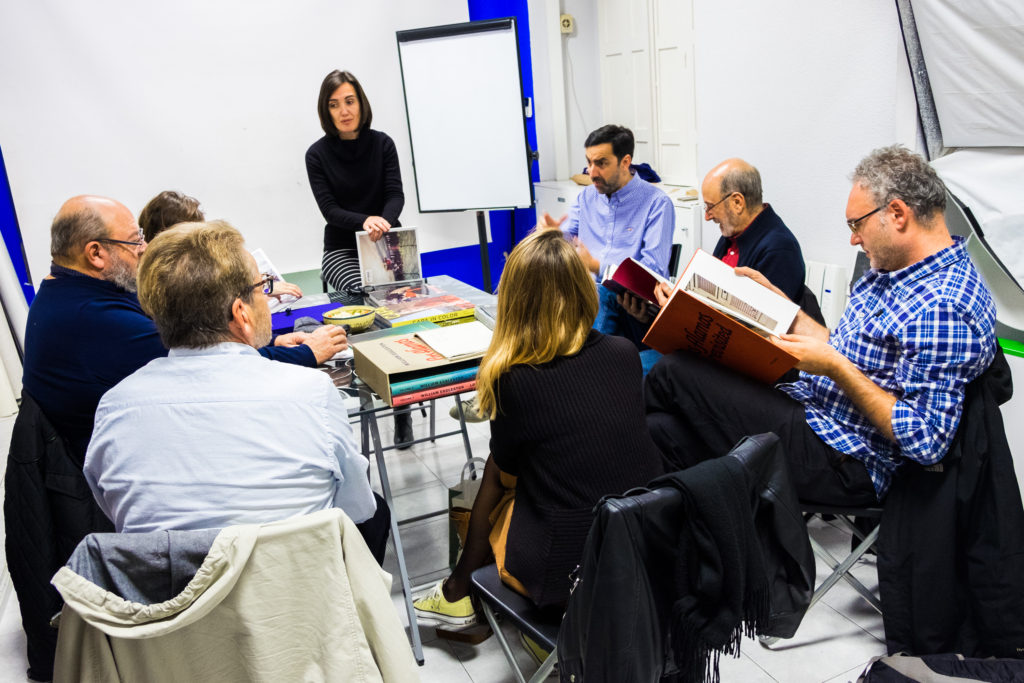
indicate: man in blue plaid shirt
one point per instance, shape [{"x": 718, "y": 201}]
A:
[{"x": 886, "y": 386}]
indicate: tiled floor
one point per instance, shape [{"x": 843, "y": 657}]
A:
[{"x": 835, "y": 641}]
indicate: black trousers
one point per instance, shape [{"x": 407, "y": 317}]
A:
[
  {"x": 698, "y": 410},
  {"x": 376, "y": 529}
]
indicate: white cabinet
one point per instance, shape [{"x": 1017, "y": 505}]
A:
[{"x": 555, "y": 197}]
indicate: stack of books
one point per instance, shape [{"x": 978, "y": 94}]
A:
[
  {"x": 422, "y": 365},
  {"x": 415, "y": 304}
]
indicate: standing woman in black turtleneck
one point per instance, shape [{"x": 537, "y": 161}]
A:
[{"x": 354, "y": 174}]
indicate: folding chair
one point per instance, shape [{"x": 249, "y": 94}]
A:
[
  {"x": 841, "y": 570},
  {"x": 498, "y": 599},
  {"x": 843, "y": 517}
]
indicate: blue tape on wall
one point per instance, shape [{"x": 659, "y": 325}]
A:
[
  {"x": 463, "y": 263},
  {"x": 12, "y": 233}
]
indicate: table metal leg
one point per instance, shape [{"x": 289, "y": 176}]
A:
[
  {"x": 463, "y": 428},
  {"x": 369, "y": 421},
  {"x": 433, "y": 432},
  {"x": 364, "y": 440}
]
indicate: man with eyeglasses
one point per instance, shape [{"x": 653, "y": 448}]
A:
[
  {"x": 85, "y": 330},
  {"x": 887, "y": 386},
  {"x": 213, "y": 435},
  {"x": 753, "y": 235}
]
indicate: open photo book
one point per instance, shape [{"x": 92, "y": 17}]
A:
[{"x": 725, "y": 317}]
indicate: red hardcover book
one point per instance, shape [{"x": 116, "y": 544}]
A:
[
  {"x": 638, "y": 279},
  {"x": 726, "y": 318}
]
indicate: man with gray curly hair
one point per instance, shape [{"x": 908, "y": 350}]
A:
[{"x": 887, "y": 386}]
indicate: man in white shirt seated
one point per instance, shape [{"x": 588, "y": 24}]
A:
[{"x": 213, "y": 434}]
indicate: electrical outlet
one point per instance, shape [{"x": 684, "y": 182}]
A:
[{"x": 566, "y": 23}]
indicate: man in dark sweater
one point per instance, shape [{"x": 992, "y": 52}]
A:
[
  {"x": 86, "y": 331},
  {"x": 753, "y": 235}
]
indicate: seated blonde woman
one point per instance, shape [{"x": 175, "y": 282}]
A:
[{"x": 567, "y": 427}]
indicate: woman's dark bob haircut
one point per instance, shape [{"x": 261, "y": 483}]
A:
[{"x": 332, "y": 82}]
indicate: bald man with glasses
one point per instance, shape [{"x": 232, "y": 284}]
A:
[
  {"x": 86, "y": 331},
  {"x": 753, "y": 235}
]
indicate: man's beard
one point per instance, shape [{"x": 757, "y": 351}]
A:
[
  {"x": 121, "y": 273},
  {"x": 263, "y": 331}
]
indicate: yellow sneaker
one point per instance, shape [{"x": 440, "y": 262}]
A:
[{"x": 435, "y": 607}]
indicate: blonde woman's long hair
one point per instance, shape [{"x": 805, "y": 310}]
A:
[{"x": 547, "y": 303}]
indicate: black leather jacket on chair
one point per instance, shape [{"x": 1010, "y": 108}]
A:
[
  {"x": 48, "y": 509},
  {"x": 782, "y": 531},
  {"x": 618, "y": 622},
  {"x": 951, "y": 546}
]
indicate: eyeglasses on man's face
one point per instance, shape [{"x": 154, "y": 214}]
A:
[
  {"x": 267, "y": 283},
  {"x": 853, "y": 223},
  {"x": 141, "y": 241},
  {"x": 708, "y": 208}
]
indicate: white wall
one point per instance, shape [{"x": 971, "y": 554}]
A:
[
  {"x": 802, "y": 90},
  {"x": 582, "y": 81},
  {"x": 218, "y": 100}
]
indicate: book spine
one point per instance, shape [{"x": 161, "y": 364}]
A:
[
  {"x": 441, "y": 380},
  {"x": 436, "y": 392},
  {"x": 451, "y": 315}
]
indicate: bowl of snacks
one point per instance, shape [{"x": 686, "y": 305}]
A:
[{"x": 358, "y": 318}]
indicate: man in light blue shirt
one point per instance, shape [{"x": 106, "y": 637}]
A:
[
  {"x": 620, "y": 215},
  {"x": 213, "y": 434}
]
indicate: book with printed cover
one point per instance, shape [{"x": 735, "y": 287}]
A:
[
  {"x": 386, "y": 296},
  {"x": 437, "y": 309},
  {"x": 725, "y": 317},
  {"x": 385, "y": 361}
]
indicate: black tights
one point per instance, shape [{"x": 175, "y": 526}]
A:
[{"x": 477, "y": 551}]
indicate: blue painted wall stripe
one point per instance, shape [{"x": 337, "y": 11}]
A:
[{"x": 12, "y": 232}]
